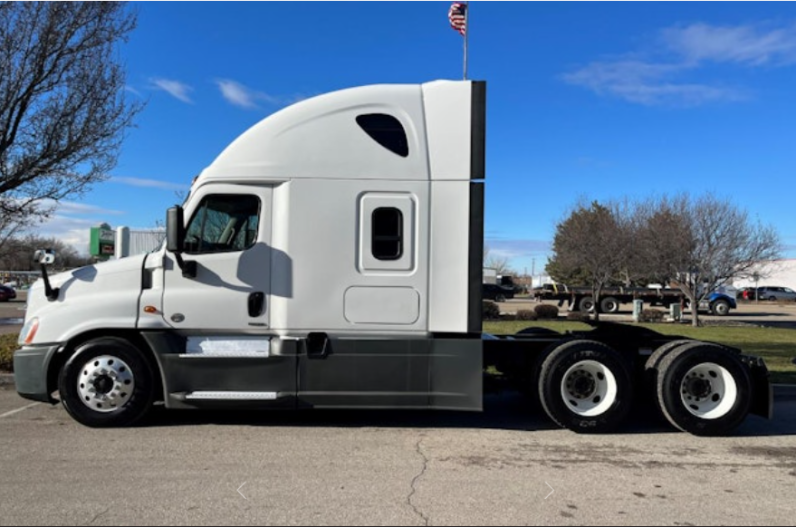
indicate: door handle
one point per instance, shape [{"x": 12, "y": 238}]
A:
[{"x": 256, "y": 304}]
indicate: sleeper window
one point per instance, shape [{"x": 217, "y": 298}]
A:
[{"x": 388, "y": 229}]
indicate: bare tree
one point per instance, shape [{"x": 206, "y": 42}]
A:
[
  {"x": 19, "y": 254},
  {"x": 592, "y": 242},
  {"x": 62, "y": 99},
  {"x": 500, "y": 264},
  {"x": 702, "y": 244}
]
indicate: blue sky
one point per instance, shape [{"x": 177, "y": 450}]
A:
[{"x": 585, "y": 100}]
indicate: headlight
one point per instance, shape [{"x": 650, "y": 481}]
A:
[{"x": 28, "y": 332}]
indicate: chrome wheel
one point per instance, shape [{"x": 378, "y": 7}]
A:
[{"x": 105, "y": 384}]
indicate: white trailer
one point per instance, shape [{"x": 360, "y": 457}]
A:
[{"x": 331, "y": 257}]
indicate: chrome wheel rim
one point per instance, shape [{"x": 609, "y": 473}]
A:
[{"x": 105, "y": 384}]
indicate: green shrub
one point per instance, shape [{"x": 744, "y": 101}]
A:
[
  {"x": 491, "y": 310},
  {"x": 577, "y": 316},
  {"x": 8, "y": 345},
  {"x": 527, "y": 315},
  {"x": 652, "y": 315},
  {"x": 546, "y": 312}
]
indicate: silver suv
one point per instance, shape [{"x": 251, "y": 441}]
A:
[{"x": 775, "y": 294}]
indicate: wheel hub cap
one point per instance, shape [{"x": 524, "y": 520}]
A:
[
  {"x": 582, "y": 385},
  {"x": 709, "y": 391},
  {"x": 589, "y": 389},
  {"x": 105, "y": 384}
]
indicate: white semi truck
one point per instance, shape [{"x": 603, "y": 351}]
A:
[{"x": 331, "y": 257}]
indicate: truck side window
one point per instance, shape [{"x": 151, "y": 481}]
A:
[
  {"x": 223, "y": 223},
  {"x": 385, "y": 130},
  {"x": 387, "y": 233}
]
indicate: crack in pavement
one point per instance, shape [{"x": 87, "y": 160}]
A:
[
  {"x": 415, "y": 480},
  {"x": 98, "y": 516}
]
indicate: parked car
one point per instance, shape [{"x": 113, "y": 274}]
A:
[
  {"x": 777, "y": 294},
  {"x": 497, "y": 293},
  {"x": 6, "y": 293}
]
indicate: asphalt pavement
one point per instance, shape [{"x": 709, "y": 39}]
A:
[{"x": 377, "y": 468}]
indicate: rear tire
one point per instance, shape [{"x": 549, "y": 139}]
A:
[
  {"x": 107, "y": 383},
  {"x": 610, "y": 305},
  {"x": 704, "y": 389},
  {"x": 586, "y": 305},
  {"x": 652, "y": 368},
  {"x": 585, "y": 386}
]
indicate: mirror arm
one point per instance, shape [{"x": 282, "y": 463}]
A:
[
  {"x": 188, "y": 268},
  {"x": 49, "y": 292}
]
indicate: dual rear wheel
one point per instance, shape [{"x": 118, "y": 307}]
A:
[{"x": 700, "y": 388}]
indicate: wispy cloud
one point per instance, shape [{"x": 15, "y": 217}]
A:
[
  {"x": 68, "y": 229},
  {"x": 239, "y": 95},
  {"x": 132, "y": 90},
  {"x": 174, "y": 88},
  {"x": 665, "y": 78},
  {"x": 148, "y": 183},
  {"x": 71, "y": 208},
  {"x": 512, "y": 249},
  {"x": 747, "y": 44},
  {"x": 648, "y": 83}
]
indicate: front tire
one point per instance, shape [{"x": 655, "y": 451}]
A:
[
  {"x": 704, "y": 389},
  {"x": 585, "y": 386},
  {"x": 721, "y": 308},
  {"x": 107, "y": 383}
]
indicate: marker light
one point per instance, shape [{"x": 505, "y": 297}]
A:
[{"x": 28, "y": 332}]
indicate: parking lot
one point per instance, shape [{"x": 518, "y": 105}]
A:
[
  {"x": 376, "y": 468},
  {"x": 504, "y": 466}
]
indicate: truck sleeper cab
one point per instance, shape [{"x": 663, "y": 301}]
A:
[{"x": 331, "y": 257}]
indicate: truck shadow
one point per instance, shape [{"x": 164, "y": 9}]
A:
[
  {"x": 501, "y": 412},
  {"x": 506, "y": 411}
]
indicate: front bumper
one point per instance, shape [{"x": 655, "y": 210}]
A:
[{"x": 31, "y": 369}]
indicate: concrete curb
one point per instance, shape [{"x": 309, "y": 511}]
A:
[{"x": 6, "y": 379}]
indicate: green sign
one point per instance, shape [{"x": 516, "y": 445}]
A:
[{"x": 103, "y": 241}]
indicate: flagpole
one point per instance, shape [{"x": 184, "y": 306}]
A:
[{"x": 466, "y": 34}]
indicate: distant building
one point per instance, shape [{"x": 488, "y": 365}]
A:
[
  {"x": 134, "y": 242},
  {"x": 780, "y": 273}
]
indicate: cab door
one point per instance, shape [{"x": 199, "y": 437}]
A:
[
  {"x": 227, "y": 239},
  {"x": 218, "y": 301}
]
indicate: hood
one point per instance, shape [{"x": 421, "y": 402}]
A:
[{"x": 101, "y": 279}]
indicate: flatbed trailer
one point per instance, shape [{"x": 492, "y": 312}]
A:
[{"x": 581, "y": 299}]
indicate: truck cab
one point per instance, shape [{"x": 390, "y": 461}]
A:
[{"x": 311, "y": 266}]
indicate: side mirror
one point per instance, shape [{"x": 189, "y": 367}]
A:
[
  {"x": 175, "y": 240},
  {"x": 175, "y": 230},
  {"x": 44, "y": 257}
]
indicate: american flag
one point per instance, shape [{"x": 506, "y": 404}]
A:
[{"x": 458, "y": 17}]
